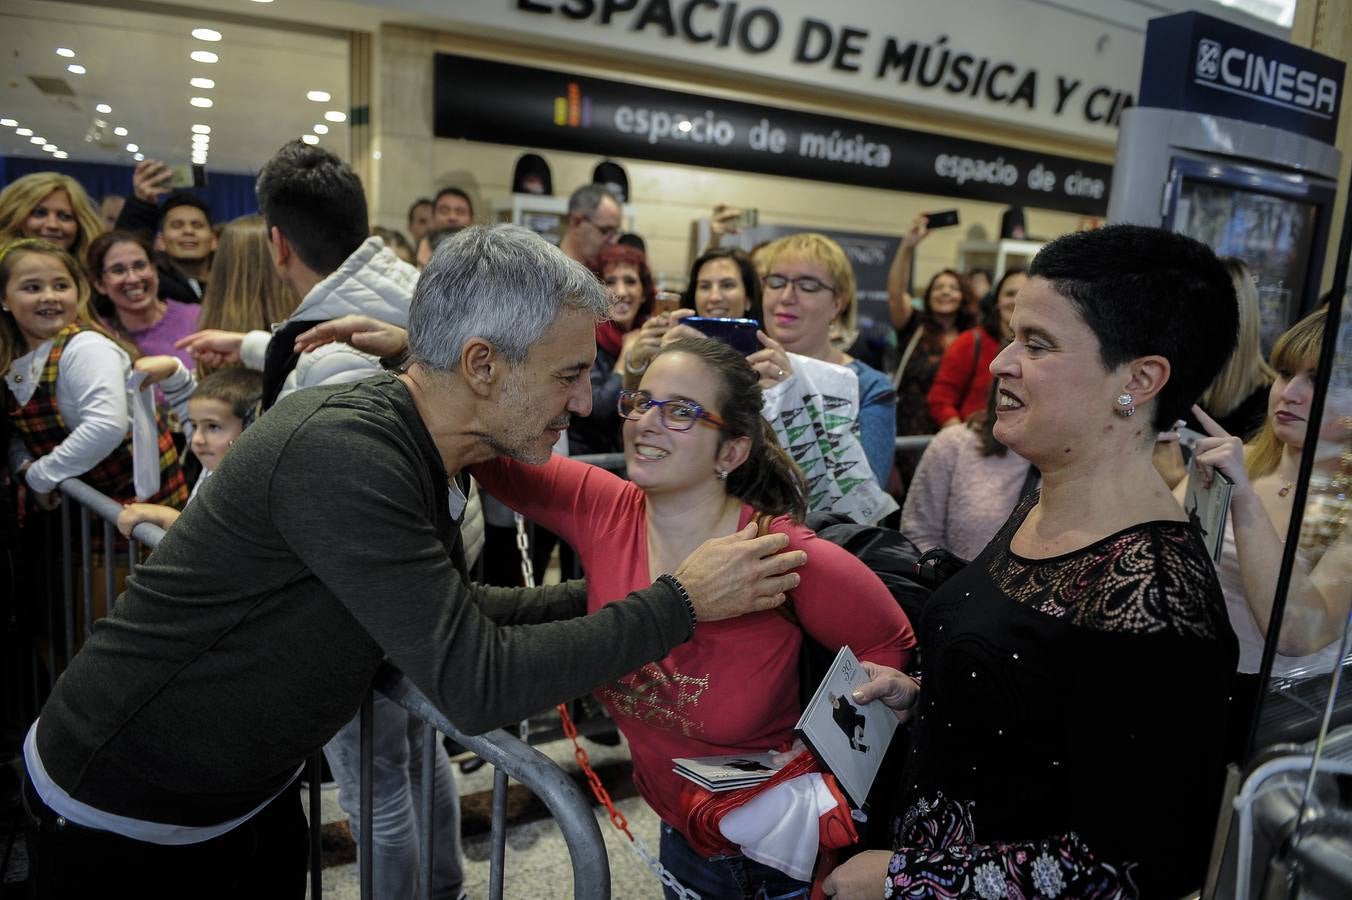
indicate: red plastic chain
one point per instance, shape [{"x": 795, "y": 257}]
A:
[{"x": 598, "y": 789}]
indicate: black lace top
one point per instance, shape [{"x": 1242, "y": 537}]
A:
[{"x": 1083, "y": 693}]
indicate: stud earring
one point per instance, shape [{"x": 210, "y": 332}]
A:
[
  {"x": 722, "y": 473},
  {"x": 1126, "y": 405}
]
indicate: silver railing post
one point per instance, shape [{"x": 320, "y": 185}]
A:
[
  {"x": 314, "y": 769},
  {"x": 67, "y": 590},
  {"x": 87, "y": 567},
  {"x": 509, "y": 755}
]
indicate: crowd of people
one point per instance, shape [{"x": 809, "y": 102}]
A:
[{"x": 332, "y": 421}]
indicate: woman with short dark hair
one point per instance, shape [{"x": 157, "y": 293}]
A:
[{"x": 1070, "y": 737}]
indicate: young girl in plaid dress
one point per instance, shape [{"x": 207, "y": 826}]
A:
[{"x": 66, "y": 385}]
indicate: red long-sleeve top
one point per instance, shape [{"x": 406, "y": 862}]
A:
[
  {"x": 960, "y": 385},
  {"x": 733, "y": 687}
]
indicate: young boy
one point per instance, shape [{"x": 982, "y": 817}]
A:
[{"x": 218, "y": 410}]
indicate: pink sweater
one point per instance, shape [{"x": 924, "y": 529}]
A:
[
  {"x": 733, "y": 687},
  {"x": 958, "y": 498}
]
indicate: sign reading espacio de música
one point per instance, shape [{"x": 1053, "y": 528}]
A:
[
  {"x": 482, "y": 100},
  {"x": 1035, "y": 65}
]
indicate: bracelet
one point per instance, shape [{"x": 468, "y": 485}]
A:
[{"x": 683, "y": 594}]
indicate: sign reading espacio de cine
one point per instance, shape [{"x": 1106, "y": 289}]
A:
[{"x": 480, "y": 100}]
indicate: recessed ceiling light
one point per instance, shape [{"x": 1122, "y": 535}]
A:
[
  {"x": 61, "y": 154},
  {"x": 199, "y": 160},
  {"x": 206, "y": 34},
  {"x": 309, "y": 139},
  {"x": 8, "y": 123},
  {"x": 37, "y": 140},
  {"x": 132, "y": 148},
  {"x": 103, "y": 108},
  {"x": 203, "y": 102},
  {"x": 120, "y": 131},
  {"x": 318, "y": 96},
  {"x": 75, "y": 69},
  {"x": 262, "y": 1},
  {"x": 321, "y": 128},
  {"x": 201, "y": 129},
  {"x": 65, "y": 51},
  {"x": 50, "y": 148},
  {"x": 201, "y": 140},
  {"x": 203, "y": 56},
  {"x": 139, "y": 156},
  {"x": 23, "y": 132},
  {"x": 205, "y": 84},
  {"x": 334, "y": 115}
]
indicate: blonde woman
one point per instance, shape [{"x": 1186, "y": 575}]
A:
[
  {"x": 1238, "y": 398},
  {"x": 50, "y": 206}
]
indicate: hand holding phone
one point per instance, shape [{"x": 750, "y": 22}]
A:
[{"x": 946, "y": 218}]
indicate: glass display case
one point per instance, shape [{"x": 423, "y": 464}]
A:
[{"x": 1285, "y": 828}]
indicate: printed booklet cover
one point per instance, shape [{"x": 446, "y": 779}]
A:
[
  {"x": 847, "y": 738},
  {"x": 727, "y": 773},
  {"x": 1208, "y": 507}
]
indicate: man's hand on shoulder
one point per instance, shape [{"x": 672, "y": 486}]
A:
[{"x": 738, "y": 574}]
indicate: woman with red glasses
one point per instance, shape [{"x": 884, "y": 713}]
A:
[{"x": 702, "y": 463}]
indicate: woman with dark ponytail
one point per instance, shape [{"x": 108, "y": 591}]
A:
[{"x": 703, "y": 463}]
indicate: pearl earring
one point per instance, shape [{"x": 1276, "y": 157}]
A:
[{"x": 1126, "y": 405}]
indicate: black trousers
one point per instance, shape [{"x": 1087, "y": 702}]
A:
[{"x": 265, "y": 857}]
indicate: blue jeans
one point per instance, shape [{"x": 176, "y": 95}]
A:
[
  {"x": 396, "y": 780},
  {"x": 720, "y": 877}
]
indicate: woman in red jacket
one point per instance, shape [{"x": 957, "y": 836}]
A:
[{"x": 960, "y": 385}]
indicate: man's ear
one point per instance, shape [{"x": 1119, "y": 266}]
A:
[
  {"x": 159, "y": 242},
  {"x": 279, "y": 248},
  {"x": 482, "y": 367}
]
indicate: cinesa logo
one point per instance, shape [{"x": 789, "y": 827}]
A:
[{"x": 1244, "y": 72}]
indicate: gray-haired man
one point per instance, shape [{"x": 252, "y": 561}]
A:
[{"x": 324, "y": 544}]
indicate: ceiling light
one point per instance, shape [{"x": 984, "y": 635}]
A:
[
  {"x": 309, "y": 139},
  {"x": 201, "y": 129},
  {"x": 262, "y": 1},
  {"x": 318, "y": 96},
  {"x": 103, "y": 108},
  {"x": 61, "y": 154},
  {"x": 50, "y": 148},
  {"x": 206, "y": 34},
  {"x": 334, "y": 115},
  {"x": 23, "y": 132},
  {"x": 75, "y": 69},
  {"x": 65, "y": 51},
  {"x": 37, "y": 140},
  {"x": 8, "y": 123},
  {"x": 203, "y": 56},
  {"x": 202, "y": 144},
  {"x": 138, "y": 157},
  {"x": 321, "y": 128},
  {"x": 203, "y": 102},
  {"x": 120, "y": 131},
  {"x": 132, "y": 148},
  {"x": 199, "y": 159},
  {"x": 205, "y": 84}
]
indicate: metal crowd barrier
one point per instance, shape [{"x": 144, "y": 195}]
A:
[{"x": 510, "y": 757}]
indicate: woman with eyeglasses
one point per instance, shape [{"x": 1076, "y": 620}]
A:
[
  {"x": 702, "y": 463},
  {"x": 808, "y": 288},
  {"x": 122, "y": 267}
]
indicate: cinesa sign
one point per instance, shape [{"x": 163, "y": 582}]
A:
[
  {"x": 1199, "y": 64},
  {"x": 1279, "y": 82}
]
